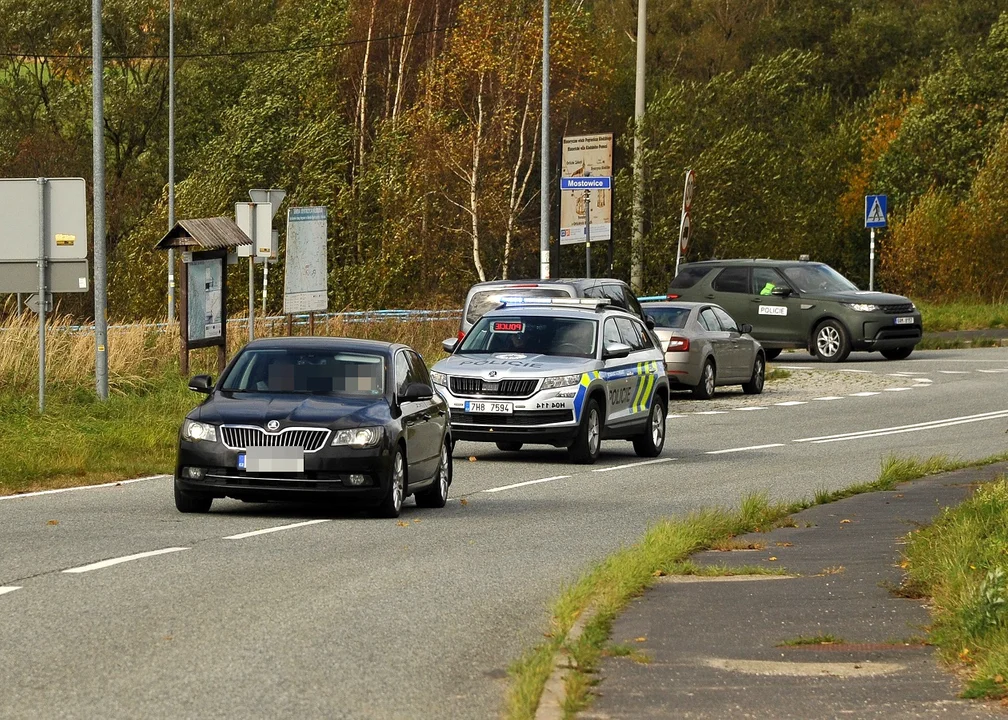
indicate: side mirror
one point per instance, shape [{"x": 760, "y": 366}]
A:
[
  {"x": 201, "y": 384},
  {"x": 449, "y": 345},
  {"x": 782, "y": 291},
  {"x": 745, "y": 329},
  {"x": 417, "y": 391},
  {"x": 616, "y": 350},
  {"x": 649, "y": 321}
]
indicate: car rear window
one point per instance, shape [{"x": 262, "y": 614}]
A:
[
  {"x": 483, "y": 301},
  {"x": 669, "y": 317},
  {"x": 732, "y": 280},
  {"x": 688, "y": 277}
]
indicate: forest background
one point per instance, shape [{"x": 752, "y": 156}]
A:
[{"x": 416, "y": 122}]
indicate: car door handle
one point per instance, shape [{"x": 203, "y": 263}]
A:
[
  {"x": 709, "y": 296},
  {"x": 756, "y": 300}
]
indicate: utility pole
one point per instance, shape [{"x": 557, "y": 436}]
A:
[
  {"x": 544, "y": 172},
  {"x": 171, "y": 155},
  {"x": 98, "y": 191},
  {"x": 637, "y": 242}
]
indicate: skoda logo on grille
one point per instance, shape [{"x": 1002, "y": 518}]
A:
[
  {"x": 273, "y": 425},
  {"x": 492, "y": 373}
]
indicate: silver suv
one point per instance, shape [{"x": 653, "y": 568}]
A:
[{"x": 562, "y": 371}]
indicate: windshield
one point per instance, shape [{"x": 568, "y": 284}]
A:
[
  {"x": 816, "y": 278},
  {"x": 669, "y": 317},
  {"x": 279, "y": 370},
  {"x": 532, "y": 335},
  {"x": 483, "y": 301}
]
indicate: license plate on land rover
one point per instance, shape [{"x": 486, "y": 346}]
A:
[
  {"x": 491, "y": 408},
  {"x": 905, "y": 320}
]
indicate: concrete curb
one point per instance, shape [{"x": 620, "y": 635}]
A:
[{"x": 551, "y": 702}]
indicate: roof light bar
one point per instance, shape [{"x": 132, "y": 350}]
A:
[
  {"x": 658, "y": 298},
  {"x": 595, "y": 303}
]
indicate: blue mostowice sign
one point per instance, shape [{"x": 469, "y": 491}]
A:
[{"x": 586, "y": 183}]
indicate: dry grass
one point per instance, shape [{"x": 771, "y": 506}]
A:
[{"x": 144, "y": 350}]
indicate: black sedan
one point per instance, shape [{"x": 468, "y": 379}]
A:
[{"x": 300, "y": 418}]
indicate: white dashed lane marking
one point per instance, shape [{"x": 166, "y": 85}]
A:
[
  {"x": 9, "y": 589},
  {"x": 993, "y": 371},
  {"x": 900, "y": 429},
  {"x": 527, "y": 482},
  {"x": 632, "y": 465},
  {"x": 830, "y": 397},
  {"x": 278, "y": 528},
  {"x": 745, "y": 409},
  {"x": 866, "y": 393},
  {"x": 743, "y": 449},
  {"x": 791, "y": 403},
  {"x": 954, "y": 372},
  {"x": 126, "y": 558},
  {"x": 711, "y": 412},
  {"x": 898, "y": 389}
]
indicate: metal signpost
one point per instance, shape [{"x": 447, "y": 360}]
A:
[
  {"x": 43, "y": 225},
  {"x": 684, "y": 219},
  {"x": 255, "y": 220},
  {"x": 273, "y": 196},
  {"x": 306, "y": 273},
  {"x": 586, "y": 175},
  {"x": 876, "y": 213}
]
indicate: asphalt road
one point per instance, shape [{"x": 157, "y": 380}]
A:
[{"x": 346, "y": 616}]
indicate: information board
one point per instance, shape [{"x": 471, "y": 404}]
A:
[
  {"x": 205, "y": 294},
  {"x": 586, "y": 156},
  {"x": 306, "y": 272}
]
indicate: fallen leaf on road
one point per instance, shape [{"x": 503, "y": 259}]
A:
[
  {"x": 640, "y": 639},
  {"x": 463, "y": 501},
  {"x": 783, "y": 544},
  {"x": 772, "y": 557},
  {"x": 53, "y": 522},
  {"x": 844, "y": 521},
  {"x": 402, "y": 524},
  {"x": 472, "y": 458}
]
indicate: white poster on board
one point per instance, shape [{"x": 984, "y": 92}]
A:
[
  {"x": 306, "y": 270},
  {"x": 205, "y": 311}
]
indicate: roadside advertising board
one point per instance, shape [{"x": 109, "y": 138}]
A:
[
  {"x": 586, "y": 156},
  {"x": 306, "y": 271},
  {"x": 206, "y": 312}
]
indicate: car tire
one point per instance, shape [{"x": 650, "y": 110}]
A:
[
  {"x": 187, "y": 501},
  {"x": 649, "y": 444},
  {"x": 897, "y": 353},
  {"x": 771, "y": 353},
  {"x": 755, "y": 384},
  {"x": 509, "y": 445},
  {"x": 437, "y": 495},
  {"x": 705, "y": 388},
  {"x": 831, "y": 342},
  {"x": 391, "y": 504},
  {"x": 588, "y": 442}
]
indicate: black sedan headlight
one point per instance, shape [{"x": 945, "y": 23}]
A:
[
  {"x": 195, "y": 431},
  {"x": 363, "y": 437}
]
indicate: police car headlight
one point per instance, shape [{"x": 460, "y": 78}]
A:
[
  {"x": 862, "y": 307},
  {"x": 358, "y": 437},
  {"x": 560, "y": 381},
  {"x": 197, "y": 431},
  {"x": 439, "y": 378}
]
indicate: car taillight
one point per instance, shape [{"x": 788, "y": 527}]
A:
[
  {"x": 678, "y": 344},
  {"x": 672, "y": 296}
]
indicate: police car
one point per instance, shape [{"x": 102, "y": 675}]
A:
[{"x": 561, "y": 371}]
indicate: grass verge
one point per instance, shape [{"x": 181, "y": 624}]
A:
[
  {"x": 961, "y": 562},
  {"x": 963, "y": 316},
  {"x": 664, "y": 550}
]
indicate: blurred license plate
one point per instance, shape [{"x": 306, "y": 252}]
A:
[
  {"x": 494, "y": 408},
  {"x": 908, "y": 320},
  {"x": 272, "y": 460}
]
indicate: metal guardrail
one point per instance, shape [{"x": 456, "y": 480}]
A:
[{"x": 299, "y": 319}]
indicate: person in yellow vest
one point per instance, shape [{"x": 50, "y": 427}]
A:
[{"x": 767, "y": 289}]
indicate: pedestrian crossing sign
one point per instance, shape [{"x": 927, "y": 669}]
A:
[{"x": 875, "y": 211}]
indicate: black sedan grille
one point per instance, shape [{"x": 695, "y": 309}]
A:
[
  {"x": 900, "y": 309},
  {"x": 518, "y": 418},
  {"x": 242, "y": 437},
  {"x": 502, "y": 388}
]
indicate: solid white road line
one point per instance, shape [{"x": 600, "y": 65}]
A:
[
  {"x": 126, "y": 558},
  {"x": 527, "y": 482},
  {"x": 9, "y": 589},
  {"x": 81, "y": 487},
  {"x": 897, "y": 429},
  {"x": 830, "y": 397},
  {"x": 632, "y": 465},
  {"x": 866, "y": 393},
  {"x": 743, "y": 449},
  {"x": 278, "y": 528},
  {"x": 791, "y": 403}
]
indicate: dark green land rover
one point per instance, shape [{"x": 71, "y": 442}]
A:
[{"x": 800, "y": 304}]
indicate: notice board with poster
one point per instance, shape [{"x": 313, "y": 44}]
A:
[
  {"x": 586, "y": 156},
  {"x": 306, "y": 273},
  {"x": 205, "y": 300}
]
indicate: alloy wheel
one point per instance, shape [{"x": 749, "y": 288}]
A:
[
  {"x": 594, "y": 435},
  {"x": 828, "y": 341},
  {"x": 397, "y": 481},
  {"x": 657, "y": 425}
]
